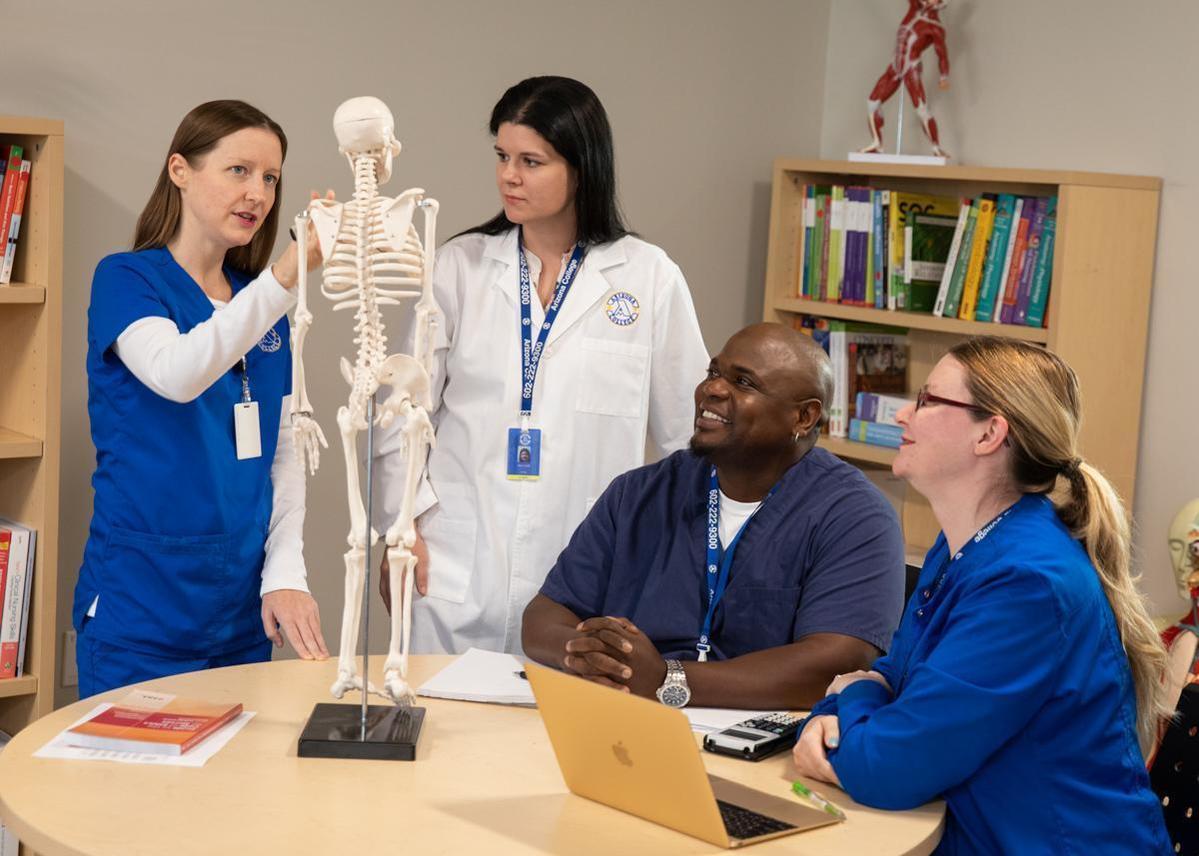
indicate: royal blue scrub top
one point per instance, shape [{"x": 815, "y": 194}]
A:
[
  {"x": 1013, "y": 702},
  {"x": 179, "y": 526}
]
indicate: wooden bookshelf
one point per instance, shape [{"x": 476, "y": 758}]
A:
[
  {"x": 1098, "y": 312},
  {"x": 30, "y": 405}
]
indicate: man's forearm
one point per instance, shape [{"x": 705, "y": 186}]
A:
[
  {"x": 545, "y": 630},
  {"x": 790, "y": 677}
]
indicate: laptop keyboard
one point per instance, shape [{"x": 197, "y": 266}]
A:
[{"x": 743, "y": 823}]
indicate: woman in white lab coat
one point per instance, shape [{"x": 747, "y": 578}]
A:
[{"x": 509, "y": 482}]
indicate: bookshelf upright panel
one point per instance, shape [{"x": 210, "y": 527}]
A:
[
  {"x": 30, "y": 404},
  {"x": 1098, "y": 311}
]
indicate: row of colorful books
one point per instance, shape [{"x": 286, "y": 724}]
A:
[
  {"x": 865, "y": 358},
  {"x": 876, "y": 419},
  {"x": 1000, "y": 260},
  {"x": 891, "y": 249},
  {"x": 14, "y": 187},
  {"x": 18, "y": 546}
]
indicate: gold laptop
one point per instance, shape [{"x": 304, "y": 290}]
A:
[{"x": 641, "y": 757}]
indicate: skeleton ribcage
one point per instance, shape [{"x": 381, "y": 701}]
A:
[{"x": 368, "y": 264}]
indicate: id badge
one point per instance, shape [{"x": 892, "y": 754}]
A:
[
  {"x": 524, "y": 454},
  {"x": 245, "y": 430}
]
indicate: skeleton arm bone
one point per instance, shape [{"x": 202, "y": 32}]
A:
[
  {"x": 426, "y": 307},
  {"x": 307, "y": 433}
]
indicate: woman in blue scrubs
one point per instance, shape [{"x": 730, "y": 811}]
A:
[
  {"x": 194, "y": 554},
  {"x": 1024, "y": 682}
]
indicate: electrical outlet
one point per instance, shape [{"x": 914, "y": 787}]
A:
[{"x": 70, "y": 669}]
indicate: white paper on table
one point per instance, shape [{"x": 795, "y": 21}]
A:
[
  {"x": 478, "y": 675},
  {"x": 708, "y": 719},
  {"x": 197, "y": 756}
]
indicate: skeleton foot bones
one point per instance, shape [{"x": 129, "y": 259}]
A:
[{"x": 373, "y": 258}]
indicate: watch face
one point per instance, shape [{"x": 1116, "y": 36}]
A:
[{"x": 674, "y": 695}]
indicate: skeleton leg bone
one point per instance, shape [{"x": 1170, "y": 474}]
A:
[
  {"x": 395, "y": 669},
  {"x": 347, "y": 670}
]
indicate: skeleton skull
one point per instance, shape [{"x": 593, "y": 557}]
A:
[
  {"x": 364, "y": 125},
  {"x": 1184, "y": 547}
]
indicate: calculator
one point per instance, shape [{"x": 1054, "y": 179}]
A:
[{"x": 756, "y": 738}]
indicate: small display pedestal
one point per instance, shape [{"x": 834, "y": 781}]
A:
[{"x": 337, "y": 731}]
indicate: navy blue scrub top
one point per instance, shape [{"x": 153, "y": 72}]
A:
[
  {"x": 823, "y": 555},
  {"x": 176, "y": 544}
]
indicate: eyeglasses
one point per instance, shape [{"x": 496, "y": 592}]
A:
[{"x": 924, "y": 398}]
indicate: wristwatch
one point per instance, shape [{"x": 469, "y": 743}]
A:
[{"x": 674, "y": 691}]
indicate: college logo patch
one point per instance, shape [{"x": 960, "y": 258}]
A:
[
  {"x": 623, "y": 309},
  {"x": 271, "y": 342}
]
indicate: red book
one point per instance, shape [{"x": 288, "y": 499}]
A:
[
  {"x": 158, "y": 723},
  {"x": 14, "y": 229},
  {"x": 16, "y": 598},
  {"x": 8, "y": 192},
  {"x": 5, "y": 550}
]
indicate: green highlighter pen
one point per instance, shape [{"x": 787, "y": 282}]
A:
[{"x": 819, "y": 801}]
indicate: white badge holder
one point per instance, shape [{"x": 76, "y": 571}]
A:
[{"x": 245, "y": 430}]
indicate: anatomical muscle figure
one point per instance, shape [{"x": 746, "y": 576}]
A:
[{"x": 920, "y": 29}]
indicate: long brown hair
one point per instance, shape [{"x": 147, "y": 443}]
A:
[
  {"x": 1038, "y": 394},
  {"x": 196, "y": 136}
]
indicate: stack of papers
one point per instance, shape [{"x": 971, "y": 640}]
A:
[{"x": 480, "y": 675}]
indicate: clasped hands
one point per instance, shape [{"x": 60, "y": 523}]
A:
[
  {"x": 614, "y": 652},
  {"x": 822, "y": 733}
]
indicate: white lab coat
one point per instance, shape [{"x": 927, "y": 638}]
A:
[{"x": 616, "y": 380}]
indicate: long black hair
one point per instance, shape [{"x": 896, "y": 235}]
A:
[{"x": 569, "y": 116}]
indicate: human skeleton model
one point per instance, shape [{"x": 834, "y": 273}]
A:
[
  {"x": 373, "y": 257},
  {"x": 920, "y": 28},
  {"x": 1182, "y": 639}
]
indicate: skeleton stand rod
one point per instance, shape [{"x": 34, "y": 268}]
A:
[
  {"x": 903, "y": 97},
  {"x": 366, "y": 577}
]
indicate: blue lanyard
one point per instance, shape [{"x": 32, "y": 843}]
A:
[
  {"x": 718, "y": 564},
  {"x": 530, "y": 353}
]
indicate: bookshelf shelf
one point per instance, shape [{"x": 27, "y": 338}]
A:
[
  {"x": 911, "y": 320},
  {"x": 30, "y": 405},
  {"x": 19, "y": 292},
  {"x": 14, "y": 444},
  {"x": 23, "y": 686},
  {"x": 1098, "y": 311},
  {"x": 852, "y": 450}
]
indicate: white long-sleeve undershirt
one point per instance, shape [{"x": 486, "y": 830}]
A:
[{"x": 181, "y": 366}]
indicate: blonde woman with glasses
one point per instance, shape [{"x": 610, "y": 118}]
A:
[{"x": 1024, "y": 683}]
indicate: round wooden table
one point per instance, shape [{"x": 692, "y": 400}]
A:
[{"x": 485, "y": 780}]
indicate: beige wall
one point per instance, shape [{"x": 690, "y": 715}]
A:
[
  {"x": 1100, "y": 85},
  {"x": 702, "y": 95}
]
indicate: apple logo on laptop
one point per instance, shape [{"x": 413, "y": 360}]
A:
[{"x": 622, "y": 754}]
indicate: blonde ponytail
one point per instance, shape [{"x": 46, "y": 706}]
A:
[{"x": 1092, "y": 510}]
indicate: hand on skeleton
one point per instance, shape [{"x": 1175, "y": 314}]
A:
[
  {"x": 307, "y": 437},
  {"x": 286, "y": 267}
]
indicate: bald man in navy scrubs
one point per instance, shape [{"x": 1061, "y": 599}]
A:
[{"x": 747, "y": 571}]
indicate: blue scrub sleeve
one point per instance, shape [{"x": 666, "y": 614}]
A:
[
  {"x": 991, "y": 671},
  {"x": 579, "y": 579},
  {"x": 285, "y": 333},
  {"x": 120, "y": 295},
  {"x": 855, "y": 587}
]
